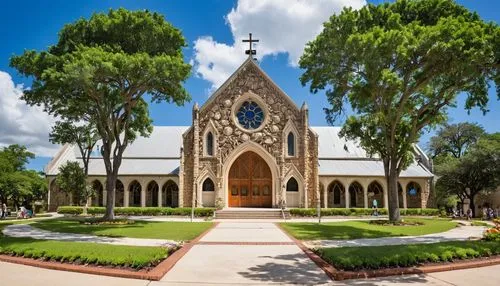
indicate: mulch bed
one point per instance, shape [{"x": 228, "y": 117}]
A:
[
  {"x": 147, "y": 273},
  {"x": 336, "y": 274}
]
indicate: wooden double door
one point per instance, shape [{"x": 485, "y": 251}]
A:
[{"x": 250, "y": 182}]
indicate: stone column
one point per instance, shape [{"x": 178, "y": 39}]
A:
[
  {"x": 126, "y": 197},
  {"x": 365, "y": 196},
  {"x": 325, "y": 197},
  {"x": 405, "y": 200},
  {"x": 347, "y": 198},
  {"x": 160, "y": 200},
  {"x": 143, "y": 196},
  {"x": 104, "y": 197},
  {"x": 386, "y": 198}
]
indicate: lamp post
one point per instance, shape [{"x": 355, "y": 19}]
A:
[{"x": 318, "y": 209}]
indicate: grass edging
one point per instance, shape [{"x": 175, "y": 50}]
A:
[
  {"x": 362, "y": 258},
  {"x": 154, "y": 274},
  {"x": 85, "y": 253},
  {"x": 336, "y": 274}
]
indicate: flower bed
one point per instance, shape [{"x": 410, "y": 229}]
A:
[{"x": 399, "y": 223}]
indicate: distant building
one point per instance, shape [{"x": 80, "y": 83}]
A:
[{"x": 249, "y": 145}]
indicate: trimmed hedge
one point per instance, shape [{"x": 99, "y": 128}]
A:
[
  {"x": 376, "y": 257},
  {"x": 128, "y": 211},
  {"x": 311, "y": 212},
  {"x": 83, "y": 252}
]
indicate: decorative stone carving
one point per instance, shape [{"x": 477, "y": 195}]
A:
[
  {"x": 228, "y": 130},
  {"x": 276, "y": 119},
  {"x": 219, "y": 110},
  {"x": 217, "y": 115},
  {"x": 257, "y": 136}
]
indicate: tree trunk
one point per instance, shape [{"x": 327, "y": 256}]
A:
[
  {"x": 472, "y": 206},
  {"x": 110, "y": 196},
  {"x": 392, "y": 193}
]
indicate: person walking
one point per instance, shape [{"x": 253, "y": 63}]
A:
[
  {"x": 4, "y": 210},
  {"x": 375, "y": 207}
]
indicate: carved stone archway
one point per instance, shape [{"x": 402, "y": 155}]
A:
[{"x": 270, "y": 161}]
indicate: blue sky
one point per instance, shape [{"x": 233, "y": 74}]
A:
[{"x": 213, "y": 29}]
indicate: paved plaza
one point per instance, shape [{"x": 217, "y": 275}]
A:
[{"x": 242, "y": 253}]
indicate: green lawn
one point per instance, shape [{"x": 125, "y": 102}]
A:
[
  {"x": 363, "y": 229},
  {"x": 356, "y": 258},
  {"x": 83, "y": 253},
  {"x": 179, "y": 231}
]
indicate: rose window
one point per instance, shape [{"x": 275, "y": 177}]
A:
[{"x": 250, "y": 115}]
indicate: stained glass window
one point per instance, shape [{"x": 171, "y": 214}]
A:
[
  {"x": 250, "y": 115},
  {"x": 291, "y": 144},
  {"x": 210, "y": 144}
]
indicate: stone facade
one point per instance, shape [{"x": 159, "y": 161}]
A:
[{"x": 217, "y": 116}]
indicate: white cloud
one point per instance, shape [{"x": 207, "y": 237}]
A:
[
  {"x": 21, "y": 123},
  {"x": 282, "y": 26}
]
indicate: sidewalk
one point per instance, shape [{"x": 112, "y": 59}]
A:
[
  {"x": 245, "y": 253},
  {"x": 456, "y": 234}
]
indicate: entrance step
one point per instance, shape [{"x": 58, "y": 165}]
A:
[{"x": 247, "y": 213}]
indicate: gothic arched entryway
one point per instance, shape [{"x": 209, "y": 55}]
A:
[{"x": 250, "y": 182}]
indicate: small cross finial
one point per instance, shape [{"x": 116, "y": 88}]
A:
[{"x": 250, "y": 52}]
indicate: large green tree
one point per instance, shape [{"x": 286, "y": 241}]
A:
[
  {"x": 451, "y": 142},
  {"x": 100, "y": 70},
  {"x": 72, "y": 180},
  {"x": 17, "y": 184},
  {"x": 83, "y": 135},
  {"x": 400, "y": 65},
  {"x": 475, "y": 172},
  {"x": 455, "y": 139}
]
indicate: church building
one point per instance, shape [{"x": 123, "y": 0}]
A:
[{"x": 249, "y": 145}]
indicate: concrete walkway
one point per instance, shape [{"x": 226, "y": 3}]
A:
[
  {"x": 16, "y": 274},
  {"x": 456, "y": 234},
  {"x": 245, "y": 253},
  {"x": 26, "y": 230}
]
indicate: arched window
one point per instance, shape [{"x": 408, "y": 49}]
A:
[
  {"x": 291, "y": 144},
  {"x": 98, "y": 198},
  {"x": 170, "y": 194},
  {"x": 292, "y": 185},
  {"x": 210, "y": 144},
  {"x": 335, "y": 191},
  {"x": 152, "y": 194},
  {"x": 120, "y": 194},
  {"x": 208, "y": 185},
  {"x": 135, "y": 194},
  {"x": 376, "y": 192}
]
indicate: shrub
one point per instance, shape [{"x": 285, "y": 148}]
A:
[
  {"x": 356, "y": 258},
  {"x": 70, "y": 210},
  {"x": 138, "y": 211},
  {"x": 311, "y": 212}
]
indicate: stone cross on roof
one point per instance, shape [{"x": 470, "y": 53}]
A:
[{"x": 250, "y": 52}]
